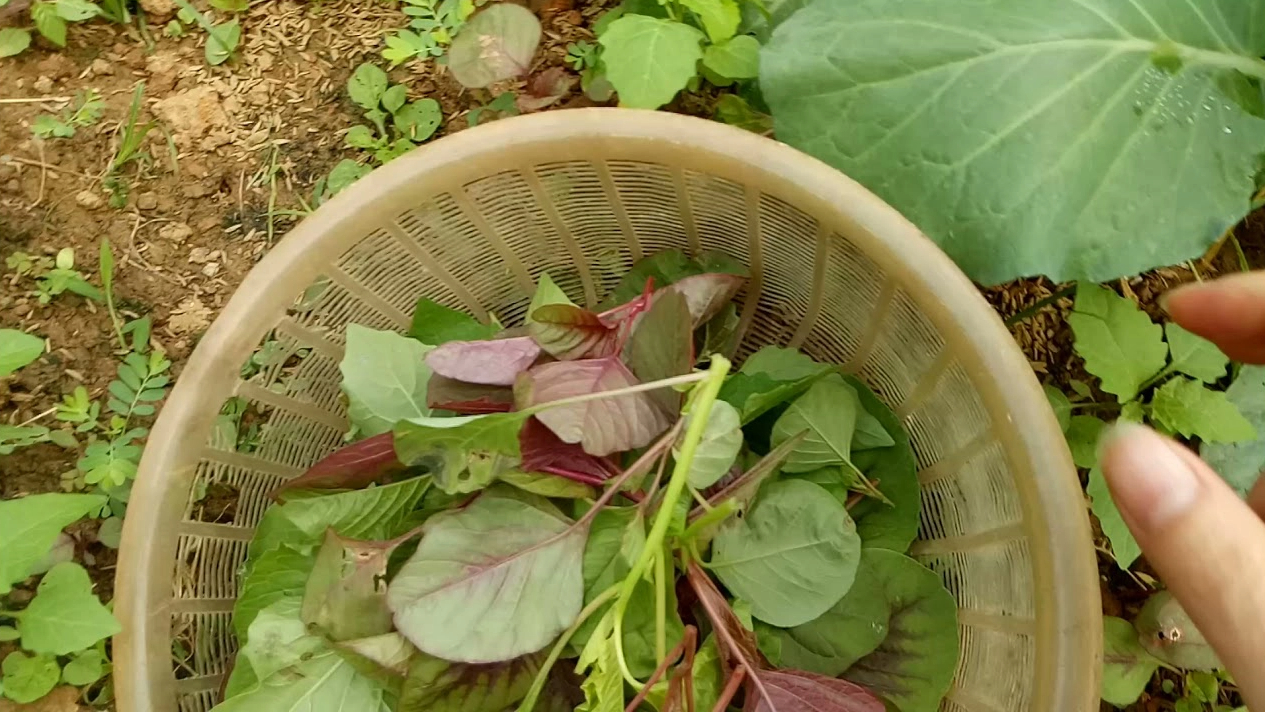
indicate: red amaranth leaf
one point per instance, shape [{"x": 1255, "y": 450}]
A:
[
  {"x": 545, "y": 452},
  {"x": 351, "y": 467},
  {"x": 568, "y": 332},
  {"x": 493, "y": 363},
  {"x": 706, "y": 294},
  {"x": 602, "y": 426},
  {"x": 467, "y": 398},
  {"x": 797, "y": 691}
]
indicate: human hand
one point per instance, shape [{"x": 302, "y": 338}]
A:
[{"x": 1206, "y": 543}]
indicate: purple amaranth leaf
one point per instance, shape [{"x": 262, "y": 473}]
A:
[
  {"x": 493, "y": 363},
  {"x": 568, "y": 332},
  {"x": 352, "y": 467},
  {"x": 796, "y": 691},
  {"x": 545, "y": 452},
  {"x": 602, "y": 426},
  {"x": 467, "y": 398}
]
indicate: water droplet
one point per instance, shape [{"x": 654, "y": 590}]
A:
[{"x": 1226, "y": 129}]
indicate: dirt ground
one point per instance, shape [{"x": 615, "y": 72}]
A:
[{"x": 238, "y": 151}]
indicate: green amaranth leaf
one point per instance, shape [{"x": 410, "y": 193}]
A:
[
  {"x": 719, "y": 17},
  {"x": 913, "y": 666},
  {"x": 768, "y": 378},
  {"x": 345, "y": 595},
  {"x": 450, "y": 447},
  {"x": 65, "y": 616},
  {"x": 828, "y": 411},
  {"x": 1240, "y": 464},
  {"x": 29, "y": 677},
  {"x": 717, "y": 451},
  {"x": 373, "y": 513},
  {"x": 792, "y": 557},
  {"x": 274, "y": 575},
  {"x": 1082, "y": 439},
  {"x": 496, "y": 44},
  {"x": 942, "y": 108},
  {"x": 384, "y": 377},
  {"x": 662, "y": 345},
  {"x": 649, "y": 60},
  {"x": 736, "y": 58},
  {"x": 1194, "y": 355},
  {"x": 829, "y": 644},
  {"x": 435, "y": 685},
  {"x": 547, "y": 292},
  {"x": 1061, "y": 406},
  {"x": 604, "y": 687},
  {"x": 322, "y": 683},
  {"x": 1118, "y": 341},
  {"x": 280, "y": 639},
  {"x": 616, "y": 538},
  {"x": 664, "y": 268},
  {"x": 894, "y": 470},
  {"x": 435, "y": 324},
  {"x": 18, "y": 349},
  {"x": 367, "y": 85},
  {"x": 551, "y": 486},
  {"x": 1127, "y": 667},
  {"x": 384, "y": 658},
  {"x": 1187, "y": 407},
  {"x": 31, "y": 525},
  {"x": 1166, "y": 631},
  {"x": 1124, "y": 547},
  {"x": 496, "y": 580}
]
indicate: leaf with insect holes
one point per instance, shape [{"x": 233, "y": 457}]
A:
[
  {"x": 435, "y": 685},
  {"x": 1127, "y": 667},
  {"x": 27, "y": 678},
  {"x": 451, "y": 448},
  {"x": 384, "y": 377},
  {"x": 602, "y": 426},
  {"x": 362, "y": 137},
  {"x": 366, "y": 86},
  {"x": 568, "y": 332},
  {"x": 350, "y": 467},
  {"x": 736, "y": 58},
  {"x": 719, "y": 447},
  {"x": 547, "y": 292},
  {"x": 1082, "y": 435},
  {"x": 719, "y": 17},
  {"x": 796, "y": 691},
  {"x": 662, "y": 345},
  {"x": 31, "y": 526},
  {"x": 435, "y": 324},
  {"x": 467, "y": 398},
  {"x": 343, "y": 175},
  {"x": 345, "y": 595},
  {"x": 1240, "y": 464},
  {"x": 496, "y": 580},
  {"x": 1167, "y": 632},
  {"x": 493, "y": 363},
  {"x": 543, "y": 451},
  {"x": 496, "y": 44},
  {"x": 13, "y": 41},
  {"x": 1118, "y": 341},
  {"x": 649, "y": 60},
  {"x": 1124, "y": 547},
  {"x": 768, "y": 378},
  {"x": 1194, "y": 355},
  {"x": 792, "y": 557},
  {"x": 65, "y": 615},
  {"x": 18, "y": 349},
  {"x": 1188, "y": 407},
  {"x": 418, "y": 120}
]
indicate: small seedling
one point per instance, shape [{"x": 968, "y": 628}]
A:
[
  {"x": 222, "y": 39},
  {"x": 581, "y": 55},
  {"x": 128, "y": 150},
  {"x": 85, "y": 111},
  {"x": 505, "y": 104},
  {"x": 434, "y": 24},
  {"x": 107, "y": 282},
  {"x": 65, "y": 278}
]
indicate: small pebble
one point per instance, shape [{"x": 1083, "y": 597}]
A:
[
  {"x": 147, "y": 201},
  {"x": 89, "y": 199},
  {"x": 210, "y": 269},
  {"x": 13, "y": 186},
  {"x": 43, "y": 85}
]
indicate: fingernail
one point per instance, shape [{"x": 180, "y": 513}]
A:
[{"x": 1150, "y": 481}]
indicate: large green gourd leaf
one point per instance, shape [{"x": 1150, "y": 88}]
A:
[{"x": 1084, "y": 139}]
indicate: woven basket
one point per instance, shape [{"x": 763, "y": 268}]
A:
[{"x": 472, "y": 219}]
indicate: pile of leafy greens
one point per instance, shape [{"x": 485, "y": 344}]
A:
[{"x": 591, "y": 512}]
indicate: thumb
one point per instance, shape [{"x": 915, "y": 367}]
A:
[{"x": 1206, "y": 543}]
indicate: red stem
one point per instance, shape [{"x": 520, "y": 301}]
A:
[
  {"x": 707, "y": 596},
  {"x": 580, "y": 477},
  {"x": 731, "y": 689},
  {"x": 690, "y": 633}
]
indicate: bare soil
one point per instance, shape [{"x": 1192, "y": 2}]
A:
[{"x": 233, "y": 161}]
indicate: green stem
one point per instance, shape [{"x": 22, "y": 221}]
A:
[
  {"x": 1040, "y": 304},
  {"x": 700, "y": 411},
  {"x": 660, "y": 608},
  {"x": 1157, "y": 378},
  {"x": 1094, "y": 406},
  {"x": 543, "y": 675},
  {"x": 1238, "y": 249},
  {"x": 710, "y": 518}
]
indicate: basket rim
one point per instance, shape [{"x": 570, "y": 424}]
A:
[{"x": 1068, "y": 663}]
